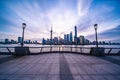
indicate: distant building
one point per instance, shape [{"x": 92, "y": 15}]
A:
[
  {"x": 55, "y": 40},
  {"x": 6, "y": 41},
  {"x": 87, "y": 42},
  {"x": 48, "y": 41},
  {"x": 75, "y": 31},
  {"x": 110, "y": 43},
  {"x": 65, "y": 38},
  {"x": 104, "y": 42},
  {"x": 43, "y": 41},
  {"x": 19, "y": 39},
  {"x": 36, "y": 42},
  {"x": 100, "y": 43},
  {"x": 68, "y": 38},
  {"x": 71, "y": 38},
  {"x": 75, "y": 37},
  {"x": 82, "y": 40},
  {"x": 29, "y": 42},
  {"x": 61, "y": 41},
  {"x": 13, "y": 41}
]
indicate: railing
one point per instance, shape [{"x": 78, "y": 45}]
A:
[{"x": 60, "y": 49}]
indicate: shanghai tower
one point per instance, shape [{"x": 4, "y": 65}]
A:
[
  {"x": 75, "y": 37},
  {"x": 75, "y": 32}
]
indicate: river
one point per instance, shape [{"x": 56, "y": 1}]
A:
[
  {"x": 56, "y": 48},
  {"x": 38, "y": 45}
]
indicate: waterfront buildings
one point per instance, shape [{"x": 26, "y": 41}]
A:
[
  {"x": 6, "y": 40},
  {"x": 19, "y": 39},
  {"x": 81, "y": 40},
  {"x": 66, "y": 40},
  {"x": 65, "y": 37},
  {"x": 71, "y": 37},
  {"x": 55, "y": 40}
]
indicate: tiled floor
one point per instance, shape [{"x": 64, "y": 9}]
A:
[{"x": 59, "y": 66}]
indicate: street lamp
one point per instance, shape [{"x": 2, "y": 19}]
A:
[
  {"x": 95, "y": 26},
  {"x": 23, "y": 26}
]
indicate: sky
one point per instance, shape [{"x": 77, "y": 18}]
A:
[{"x": 62, "y": 15}]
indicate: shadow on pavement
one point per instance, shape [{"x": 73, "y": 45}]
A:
[
  {"x": 8, "y": 58},
  {"x": 110, "y": 59}
]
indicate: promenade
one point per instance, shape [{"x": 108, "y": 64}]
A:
[{"x": 59, "y": 66}]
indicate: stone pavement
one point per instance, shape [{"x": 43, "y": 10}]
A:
[{"x": 59, "y": 66}]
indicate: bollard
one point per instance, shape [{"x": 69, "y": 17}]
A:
[
  {"x": 21, "y": 51},
  {"x": 100, "y": 51}
]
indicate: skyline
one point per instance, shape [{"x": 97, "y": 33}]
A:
[{"x": 63, "y": 15}]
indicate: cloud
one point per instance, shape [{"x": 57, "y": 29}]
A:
[
  {"x": 112, "y": 34},
  {"x": 83, "y": 6},
  {"x": 101, "y": 14},
  {"x": 32, "y": 16},
  {"x": 61, "y": 19},
  {"x": 63, "y": 16}
]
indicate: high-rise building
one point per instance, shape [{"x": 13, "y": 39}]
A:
[
  {"x": 43, "y": 41},
  {"x": 55, "y": 40},
  {"x": 67, "y": 38},
  {"x": 6, "y": 40},
  {"x": 19, "y": 39},
  {"x": 82, "y": 40},
  {"x": 71, "y": 38},
  {"x": 87, "y": 41},
  {"x": 60, "y": 41},
  {"x": 48, "y": 41},
  {"x": 75, "y": 31},
  {"x": 75, "y": 37}
]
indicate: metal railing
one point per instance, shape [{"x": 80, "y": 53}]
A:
[{"x": 60, "y": 49}]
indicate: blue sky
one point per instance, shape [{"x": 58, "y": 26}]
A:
[{"x": 62, "y": 15}]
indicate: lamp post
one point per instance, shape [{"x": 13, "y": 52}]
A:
[
  {"x": 23, "y": 26},
  {"x": 95, "y": 27}
]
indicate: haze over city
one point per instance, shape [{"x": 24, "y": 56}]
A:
[{"x": 62, "y": 15}]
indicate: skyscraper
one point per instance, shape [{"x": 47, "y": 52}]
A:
[
  {"x": 75, "y": 37},
  {"x": 75, "y": 32},
  {"x": 82, "y": 40},
  {"x": 71, "y": 37},
  {"x": 67, "y": 38},
  {"x": 19, "y": 39}
]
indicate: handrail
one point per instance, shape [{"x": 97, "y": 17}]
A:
[
  {"x": 62, "y": 46},
  {"x": 8, "y": 50},
  {"x": 108, "y": 50}
]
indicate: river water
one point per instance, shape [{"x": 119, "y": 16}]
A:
[
  {"x": 38, "y": 45},
  {"x": 56, "y": 48}
]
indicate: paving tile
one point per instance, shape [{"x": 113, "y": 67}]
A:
[
  {"x": 77, "y": 77},
  {"x": 60, "y": 66}
]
